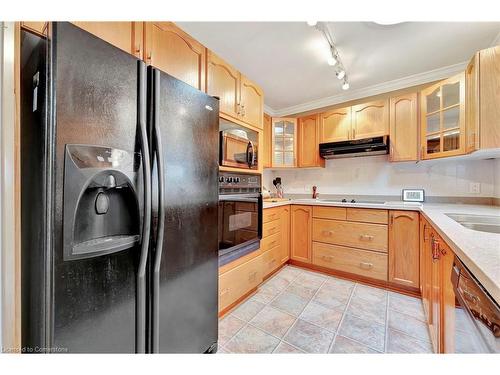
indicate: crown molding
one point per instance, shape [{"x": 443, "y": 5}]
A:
[{"x": 381, "y": 88}]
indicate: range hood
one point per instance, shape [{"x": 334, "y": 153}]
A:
[{"x": 358, "y": 147}]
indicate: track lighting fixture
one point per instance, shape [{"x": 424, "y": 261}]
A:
[
  {"x": 345, "y": 85},
  {"x": 340, "y": 74},
  {"x": 312, "y": 23}
]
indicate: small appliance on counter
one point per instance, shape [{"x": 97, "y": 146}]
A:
[
  {"x": 240, "y": 215},
  {"x": 279, "y": 187}
]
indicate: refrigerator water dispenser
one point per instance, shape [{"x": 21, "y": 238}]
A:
[{"x": 101, "y": 201}]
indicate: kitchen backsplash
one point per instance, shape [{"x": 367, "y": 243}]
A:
[{"x": 374, "y": 175}]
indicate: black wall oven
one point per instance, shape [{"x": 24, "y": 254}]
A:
[{"x": 240, "y": 215}]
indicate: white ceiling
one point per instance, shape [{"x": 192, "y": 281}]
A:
[{"x": 288, "y": 59}]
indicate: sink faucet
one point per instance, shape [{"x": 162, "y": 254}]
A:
[{"x": 315, "y": 194}]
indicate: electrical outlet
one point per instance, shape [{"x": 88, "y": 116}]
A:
[{"x": 474, "y": 187}]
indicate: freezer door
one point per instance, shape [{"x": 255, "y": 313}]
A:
[
  {"x": 186, "y": 283},
  {"x": 99, "y": 103}
]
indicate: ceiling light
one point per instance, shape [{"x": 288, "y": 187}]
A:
[
  {"x": 340, "y": 74},
  {"x": 345, "y": 85},
  {"x": 312, "y": 23},
  {"x": 331, "y": 60}
]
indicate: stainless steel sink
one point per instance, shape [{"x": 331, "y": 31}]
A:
[{"x": 482, "y": 223}]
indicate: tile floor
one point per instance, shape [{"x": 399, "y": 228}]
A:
[{"x": 301, "y": 311}]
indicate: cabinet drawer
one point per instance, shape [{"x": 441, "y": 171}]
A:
[
  {"x": 270, "y": 214},
  {"x": 270, "y": 260},
  {"x": 337, "y": 213},
  {"x": 238, "y": 281},
  {"x": 361, "y": 235},
  {"x": 270, "y": 241},
  {"x": 360, "y": 262},
  {"x": 271, "y": 228},
  {"x": 368, "y": 215}
]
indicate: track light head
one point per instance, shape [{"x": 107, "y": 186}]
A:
[
  {"x": 345, "y": 85},
  {"x": 312, "y": 23},
  {"x": 340, "y": 74}
]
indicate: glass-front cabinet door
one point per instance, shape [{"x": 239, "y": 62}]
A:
[
  {"x": 284, "y": 143},
  {"x": 443, "y": 118}
]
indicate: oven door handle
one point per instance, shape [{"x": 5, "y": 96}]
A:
[{"x": 239, "y": 197}]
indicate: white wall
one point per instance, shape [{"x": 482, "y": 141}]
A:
[{"x": 374, "y": 175}]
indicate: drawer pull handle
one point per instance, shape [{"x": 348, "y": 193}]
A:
[
  {"x": 327, "y": 258},
  {"x": 365, "y": 265},
  {"x": 223, "y": 292},
  {"x": 251, "y": 277},
  {"x": 272, "y": 244},
  {"x": 366, "y": 237},
  {"x": 327, "y": 232}
]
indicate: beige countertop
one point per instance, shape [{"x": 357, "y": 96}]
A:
[{"x": 479, "y": 251}]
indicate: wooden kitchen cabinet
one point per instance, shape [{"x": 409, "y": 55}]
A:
[
  {"x": 38, "y": 27},
  {"x": 173, "y": 51},
  {"x": 404, "y": 248},
  {"x": 127, "y": 36},
  {"x": 403, "y": 127},
  {"x": 482, "y": 81},
  {"x": 335, "y": 125},
  {"x": 442, "y": 118},
  {"x": 300, "y": 233},
  {"x": 370, "y": 119},
  {"x": 285, "y": 234},
  {"x": 265, "y": 151},
  {"x": 275, "y": 243},
  {"x": 251, "y": 102},
  {"x": 308, "y": 142},
  {"x": 284, "y": 142}
]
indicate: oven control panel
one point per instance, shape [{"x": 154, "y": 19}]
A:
[{"x": 230, "y": 182}]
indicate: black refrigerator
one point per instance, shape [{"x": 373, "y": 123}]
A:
[{"x": 119, "y": 199}]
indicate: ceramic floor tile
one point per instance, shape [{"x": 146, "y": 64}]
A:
[
  {"x": 278, "y": 282},
  {"x": 228, "y": 327},
  {"x": 339, "y": 283},
  {"x": 290, "y": 303},
  {"x": 284, "y": 348},
  {"x": 322, "y": 316},
  {"x": 304, "y": 291},
  {"x": 252, "y": 340},
  {"x": 409, "y": 325},
  {"x": 308, "y": 337},
  {"x": 273, "y": 321},
  {"x": 343, "y": 345},
  {"x": 332, "y": 297},
  {"x": 399, "y": 342},
  {"x": 367, "y": 333},
  {"x": 407, "y": 305},
  {"x": 248, "y": 310},
  {"x": 370, "y": 311},
  {"x": 289, "y": 273},
  {"x": 222, "y": 350},
  {"x": 266, "y": 294},
  {"x": 370, "y": 294},
  {"x": 310, "y": 279}
]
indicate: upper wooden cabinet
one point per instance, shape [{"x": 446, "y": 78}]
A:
[
  {"x": 35, "y": 26},
  {"x": 171, "y": 50},
  {"x": 481, "y": 100},
  {"x": 404, "y": 251},
  {"x": 335, "y": 125},
  {"x": 265, "y": 150},
  {"x": 370, "y": 119},
  {"x": 442, "y": 118},
  {"x": 308, "y": 142},
  {"x": 127, "y": 36},
  {"x": 239, "y": 97},
  {"x": 223, "y": 81},
  {"x": 284, "y": 142},
  {"x": 403, "y": 132},
  {"x": 301, "y": 233}
]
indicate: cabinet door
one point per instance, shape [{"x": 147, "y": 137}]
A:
[
  {"x": 489, "y": 96},
  {"x": 448, "y": 300},
  {"x": 404, "y": 251},
  {"x": 472, "y": 105},
  {"x": 425, "y": 262},
  {"x": 442, "y": 119},
  {"x": 267, "y": 139},
  {"x": 251, "y": 102},
  {"x": 38, "y": 27},
  {"x": 335, "y": 125},
  {"x": 403, "y": 127},
  {"x": 370, "y": 119},
  {"x": 127, "y": 36},
  {"x": 435, "y": 293},
  {"x": 300, "y": 228},
  {"x": 171, "y": 50},
  {"x": 223, "y": 81},
  {"x": 284, "y": 143},
  {"x": 308, "y": 142},
  {"x": 285, "y": 234}
]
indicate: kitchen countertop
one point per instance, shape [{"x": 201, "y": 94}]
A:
[{"x": 479, "y": 251}]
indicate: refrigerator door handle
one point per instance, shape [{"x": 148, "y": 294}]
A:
[
  {"x": 161, "y": 214},
  {"x": 146, "y": 228}
]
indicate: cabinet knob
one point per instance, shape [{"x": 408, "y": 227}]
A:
[
  {"x": 366, "y": 237},
  {"x": 366, "y": 265},
  {"x": 327, "y": 258},
  {"x": 327, "y": 233},
  {"x": 223, "y": 292}
]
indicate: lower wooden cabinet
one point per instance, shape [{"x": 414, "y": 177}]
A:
[
  {"x": 300, "y": 233},
  {"x": 275, "y": 243},
  {"x": 404, "y": 250},
  {"x": 346, "y": 259},
  {"x": 238, "y": 281},
  {"x": 285, "y": 234}
]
